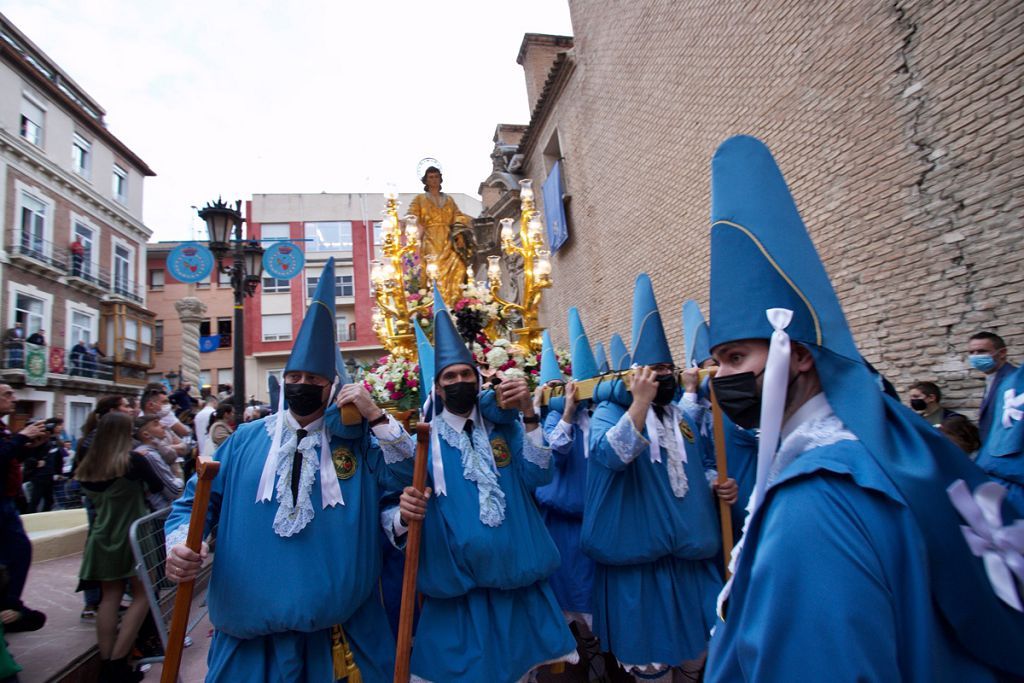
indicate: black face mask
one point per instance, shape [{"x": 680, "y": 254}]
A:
[
  {"x": 304, "y": 399},
  {"x": 460, "y": 397},
  {"x": 739, "y": 398},
  {"x": 666, "y": 389},
  {"x": 918, "y": 404}
]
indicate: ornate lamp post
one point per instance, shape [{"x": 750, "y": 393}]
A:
[
  {"x": 246, "y": 270},
  {"x": 394, "y": 316},
  {"x": 536, "y": 267}
]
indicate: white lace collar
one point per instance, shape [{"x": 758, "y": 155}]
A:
[{"x": 477, "y": 462}]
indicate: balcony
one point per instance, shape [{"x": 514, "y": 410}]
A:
[
  {"x": 63, "y": 366},
  {"x": 40, "y": 256},
  {"x": 46, "y": 258}
]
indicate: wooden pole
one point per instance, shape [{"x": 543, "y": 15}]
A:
[
  {"x": 721, "y": 465},
  {"x": 205, "y": 472},
  {"x": 412, "y": 560}
]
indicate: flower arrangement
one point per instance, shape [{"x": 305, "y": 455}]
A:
[
  {"x": 394, "y": 380},
  {"x": 512, "y": 361},
  {"x": 475, "y": 311}
]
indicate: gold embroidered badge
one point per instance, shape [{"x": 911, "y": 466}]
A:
[
  {"x": 502, "y": 455},
  {"x": 684, "y": 427},
  {"x": 344, "y": 462}
]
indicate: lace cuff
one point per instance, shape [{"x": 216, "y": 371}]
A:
[
  {"x": 392, "y": 527},
  {"x": 395, "y": 443},
  {"x": 625, "y": 440},
  {"x": 711, "y": 476},
  {"x": 176, "y": 537},
  {"x": 535, "y": 451},
  {"x": 560, "y": 437}
]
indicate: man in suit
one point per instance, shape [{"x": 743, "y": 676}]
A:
[{"x": 987, "y": 353}]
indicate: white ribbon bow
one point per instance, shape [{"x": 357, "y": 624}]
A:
[
  {"x": 1000, "y": 547},
  {"x": 1012, "y": 405}
]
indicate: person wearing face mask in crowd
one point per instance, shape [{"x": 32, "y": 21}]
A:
[
  {"x": 294, "y": 586},
  {"x": 986, "y": 353},
  {"x": 649, "y": 519},
  {"x": 925, "y": 398},
  {"x": 176, "y": 443},
  {"x": 488, "y": 612},
  {"x": 222, "y": 425},
  {"x": 855, "y": 563}
]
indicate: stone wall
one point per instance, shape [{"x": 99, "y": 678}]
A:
[{"x": 896, "y": 124}]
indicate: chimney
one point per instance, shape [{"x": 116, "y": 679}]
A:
[{"x": 536, "y": 55}]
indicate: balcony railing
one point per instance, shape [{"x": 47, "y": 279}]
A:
[
  {"x": 60, "y": 361},
  {"x": 60, "y": 258}
]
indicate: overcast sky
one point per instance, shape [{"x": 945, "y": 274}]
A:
[{"x": 240, "y": 98}]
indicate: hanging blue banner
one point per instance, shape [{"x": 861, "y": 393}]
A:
[
  {"x": 190, "y": 262},
  {"x": 210, "y": 343},
  {"x": 283, "y": 261},
  {"x": 554, "y": 208}
]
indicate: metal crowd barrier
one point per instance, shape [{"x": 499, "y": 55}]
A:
[{"x": 147, "y": 540}]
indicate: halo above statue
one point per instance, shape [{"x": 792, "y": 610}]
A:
[{"x": 426, "y": 163}]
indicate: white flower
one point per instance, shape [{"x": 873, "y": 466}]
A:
[
  {"x": 497, "y": 357},
  {"x": 514, "y": 373}
]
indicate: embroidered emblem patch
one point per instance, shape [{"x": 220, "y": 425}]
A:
[
  {"x": 344, "y": 462},
  {"x": 684, "y": 427},
  {"x": 502, "y": 455}
]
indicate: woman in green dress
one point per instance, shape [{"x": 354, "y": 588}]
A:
[{"x": 114, "y": 479}]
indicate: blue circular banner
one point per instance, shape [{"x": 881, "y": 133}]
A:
[
  {"x": 283, "y": 261},
  {"x": 190, "y": 262}
]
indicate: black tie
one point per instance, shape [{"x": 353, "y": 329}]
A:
[
  {"x": 468, "y": 428},
  {"x": 300, "y": 434}
]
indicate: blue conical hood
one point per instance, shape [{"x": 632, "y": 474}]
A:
[
  {"x": 620, "y": 359},
  {"x": 762, "y": 257},
  {"x": 649, "y": 343},
  {"x": 425, "y": 352},
  {"x": 695, "y": 334},
  {"x": 316, "y": 346},
  {"x": 584, "y": 366},
  {"x": 549, "y": 369},
  {"x": 449, "y": 349},
  {"x": 601, "y": 358}
]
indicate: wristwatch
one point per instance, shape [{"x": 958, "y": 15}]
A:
[
  {"x": 381, "y": 419},
  {"x": 533, "y": 420}
]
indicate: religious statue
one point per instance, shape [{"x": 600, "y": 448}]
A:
[{"x": 447, "y": 234}]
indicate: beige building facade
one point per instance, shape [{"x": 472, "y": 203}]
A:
[{"x": 897, "y": 126}]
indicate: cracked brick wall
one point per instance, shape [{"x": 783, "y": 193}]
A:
[{"x": 896, "y": 124}]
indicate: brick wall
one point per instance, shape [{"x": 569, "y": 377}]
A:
[{"x": 897, "y": 126}]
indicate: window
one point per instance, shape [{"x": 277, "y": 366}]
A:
[
  {"x": 78, "y": 413},
  {"x": 131, "y": 340},
  {"x": 226, "y": 376},
  {"x": 33, "y": 225},
  {"x": 204, "y": 328},
  {"x": 32, "y": 119},
  {"x": 378, "y": 240},
  {"x": 119, "y": 184},
  {"x": 81, "y": 155},
  {"x": 204, "y": 378},
  {"x": 123, "y": 270},
  {"x": 273, "y": 232},
  {"x": 81, "y": 328},
  {"x": 223, "y": 279},
  {"x": 342, "y": 326},
  {"x": 329, "y": 236},
  {"x": 224, "y": 330},
  {"x": 158, "y": 336},
  {"x": 277, "y": 327},
  {"x": 29, "y": 311},
  {"x": 344, "y": 285},
  {"x": 146, "y": 344},
  {"x": 85, "y": 235},
  {"x": 156, "y": 279},
  {"x": 274, "y": 286}
]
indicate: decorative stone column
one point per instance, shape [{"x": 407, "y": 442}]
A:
[{"x": 192, "y": 311}]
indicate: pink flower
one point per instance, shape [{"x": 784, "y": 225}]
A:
[
  {"x": 390, "y": 386},
  {"x": 396, "y": 396},
  {"x": 413, "y": 382}
]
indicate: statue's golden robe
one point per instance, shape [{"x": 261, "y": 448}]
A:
[{"x": 437, "y": 219}]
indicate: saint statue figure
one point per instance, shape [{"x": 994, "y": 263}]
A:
[{"x": 447, "y": 234}]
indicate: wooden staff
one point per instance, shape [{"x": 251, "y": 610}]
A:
[
  {"x": 206, "y": 470},
  {"x": 720, "y": 464},
  {"x": 412, "y": 559}
]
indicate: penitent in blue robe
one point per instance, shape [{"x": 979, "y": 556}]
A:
[
  {"x": 1002, "y": 451},
  {"x": 842, "y": 584},
  {"x": 561, "y": 503},
  {"x": 273, "y": 600},
  {"x": 655, "y": 582},
  {"x": 488, "y": 613}
]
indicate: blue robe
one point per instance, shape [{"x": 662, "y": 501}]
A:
[
  {"x": 1002, "y": 452},
  {"x": 832, "y": 584},
  {"x": 561, "y": 503},
  {"x": 488, "y": 613},
  {"x": 273, "y": 600},
  {"x": 656, "y": 581}
]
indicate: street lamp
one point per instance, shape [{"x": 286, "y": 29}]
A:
[{"x": 246, "y": 270}]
